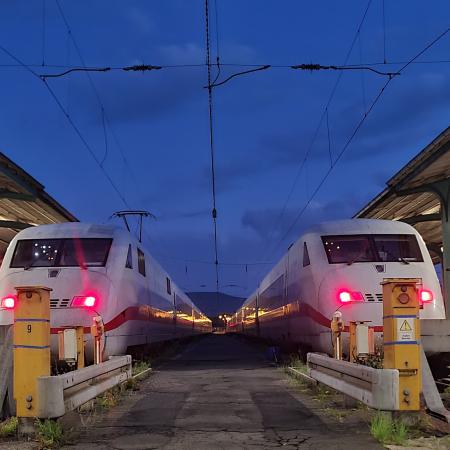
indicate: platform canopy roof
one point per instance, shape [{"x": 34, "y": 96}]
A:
[
  {"x": 410, "y": 195},
  {"x": 24, "y": 203}
]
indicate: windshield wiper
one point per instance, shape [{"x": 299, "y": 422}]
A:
[
  {"x": 349, "y": 263},
  {"x": 399, "y": 258}
]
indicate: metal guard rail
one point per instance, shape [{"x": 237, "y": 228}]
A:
[
  {"x": 377, "y": 388},
  {"x": 63, "y": 393}
]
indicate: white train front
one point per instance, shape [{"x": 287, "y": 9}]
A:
[
  {"x": 337, "y": 266},
  {"x": 99, "y": 270}
]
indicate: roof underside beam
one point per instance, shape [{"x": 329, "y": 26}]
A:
[
  {"x": 14, "y": 224},
  {"x": 422, "y": 218},
  {"x": 6, "y": 193}
]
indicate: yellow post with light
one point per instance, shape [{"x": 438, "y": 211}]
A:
[
  {"x": 31, "y": 345},
  {"x": 401, "y": 331},
  {"x": 337, "y": 327},
  {"x": 80, "y": 347}
]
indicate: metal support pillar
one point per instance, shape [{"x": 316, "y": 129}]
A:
[
  {"x": 401, "y": 336},
  {"x": 442, "y": 189},
  {"x": 31, "y": 346}
]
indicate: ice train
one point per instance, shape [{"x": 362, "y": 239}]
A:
[
  {"x": 337, "y": 266},
  {"x": 98, "y": 270}
]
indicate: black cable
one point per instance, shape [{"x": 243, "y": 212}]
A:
[
  {"x": 355, "y": 131},
  {"x": 316, "y": 133},
  {"x": 363, "y": 66},
  {"x": 43, "y": 31},
  {"x": 211, "y": 143},
  {"x": 71, "y": 122},
  {"x": 363, "y": 85},
  {"x": 97, "y": 95},
  {"x": 76, "y": 69},
  {"x": 384, "y": 30},
  {"x": 105, "y": 137},
  {"x": 329, "y": 141},
  {"x": 245, "y": 72},
  {"x": 314, "y": 67}
]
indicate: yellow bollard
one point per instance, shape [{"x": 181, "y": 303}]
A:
[
  {"x": 31, "y": 345},
  {"x": 401, "y": 330},
  {"x": 80, "y": 347},
  {"x": 337, "y": 327}
]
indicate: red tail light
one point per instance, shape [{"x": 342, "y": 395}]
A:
[
  {"x": 88, "y": 301},
  {"x": 426, "y": 296},
  {"x": 9, "y": 302},
  {"x": 347, "y": 297}
]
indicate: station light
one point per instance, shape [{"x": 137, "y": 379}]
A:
[
  {"x": 348, "y": 296},
  {"x": 9, "y": 302},
  {"x": 426, "y": 296},
  {"x": 88, "y": 301}
]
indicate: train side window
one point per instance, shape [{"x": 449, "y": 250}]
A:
[
  {"x": 169, "y": 287},
  {"x": 306, "y": 260},
  {"x": 141, "y": 262},
  {"x": 129, "y": 263}
]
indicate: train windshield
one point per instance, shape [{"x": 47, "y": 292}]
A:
[
  {"x": 84, "y": 252},
  {"x": 372, "y": 248}
]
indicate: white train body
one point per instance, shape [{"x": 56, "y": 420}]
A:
[
  {"x": 134, "y": 296},
  {"x": 337, "y": 266}
]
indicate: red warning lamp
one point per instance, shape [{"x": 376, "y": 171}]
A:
[
  {"x": 426, "y": 296},
  {"x": 9, "y": 302},
  {"x": 347, "y": 296},
  {"x": 88, "y": 301}
]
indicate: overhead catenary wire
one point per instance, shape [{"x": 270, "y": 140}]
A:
[
  {"x": 361, "y": 66},
  {"x": 72, "y": 124},
  {"x": 383, "y": 13},
  {"x": 276, "y": 223},
  {"x": 211, "y": 145},
  {"x": 44, "y": 20},
  {"x": 355, "y": 131},
  {"x": 107, "y": 121}
]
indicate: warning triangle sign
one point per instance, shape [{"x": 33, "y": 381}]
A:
[{"x": 405, "y": 326}]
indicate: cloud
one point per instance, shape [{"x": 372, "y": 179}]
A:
[
  {"x": 266, "y": 222},
  {"x": 141, "y": 20}
]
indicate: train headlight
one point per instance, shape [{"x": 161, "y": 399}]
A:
[
  {"x": 347, "y": 296},
  {"x": 88, "y": 301},
  {"x": 426, "y": 296},
  {"x": 9, "y": 302}
]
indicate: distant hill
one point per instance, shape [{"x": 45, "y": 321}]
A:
[{"x": 213, "y": 304}]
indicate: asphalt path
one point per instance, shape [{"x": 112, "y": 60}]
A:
[{"x": 219, "y": 393}]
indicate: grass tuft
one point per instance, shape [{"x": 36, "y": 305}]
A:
[
  {"x": 295, "y": 362},
  {"x": 110, "y": 398},
  {"x": 50, "y": 433},
  {"x": 8, "y": 428},
  {"x": 139, "y": 367},
  {"x": 388, "y": 431}
]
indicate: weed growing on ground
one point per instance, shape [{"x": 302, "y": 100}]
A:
[
  {"x": 50, "y": 433},
  {"x": 322, "y": 392},
  {"x": 8, "y": 428},
  {"x": 295, "y": 362},
  {"x": 110, "y": 398},
  {"x": 131, "y": 385},
  {"x": 387, "y": 430},
  {"x": 140, "y": 366}
]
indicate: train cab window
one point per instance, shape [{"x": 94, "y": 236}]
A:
[
  {"x": 67, "y": 252},
  {"x": 397, "y": 247},
  {"x": 169, "y": 287},
  {"x": 129, "y": 263},
  {"x": 348, "y": 249},
  {"x": 306, "y": 261},
  {"x": 141, "y": 262},
  {"x": 372, "y": 248}
]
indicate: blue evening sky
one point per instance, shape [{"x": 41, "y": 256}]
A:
[{"x": 264, "y": 122}]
